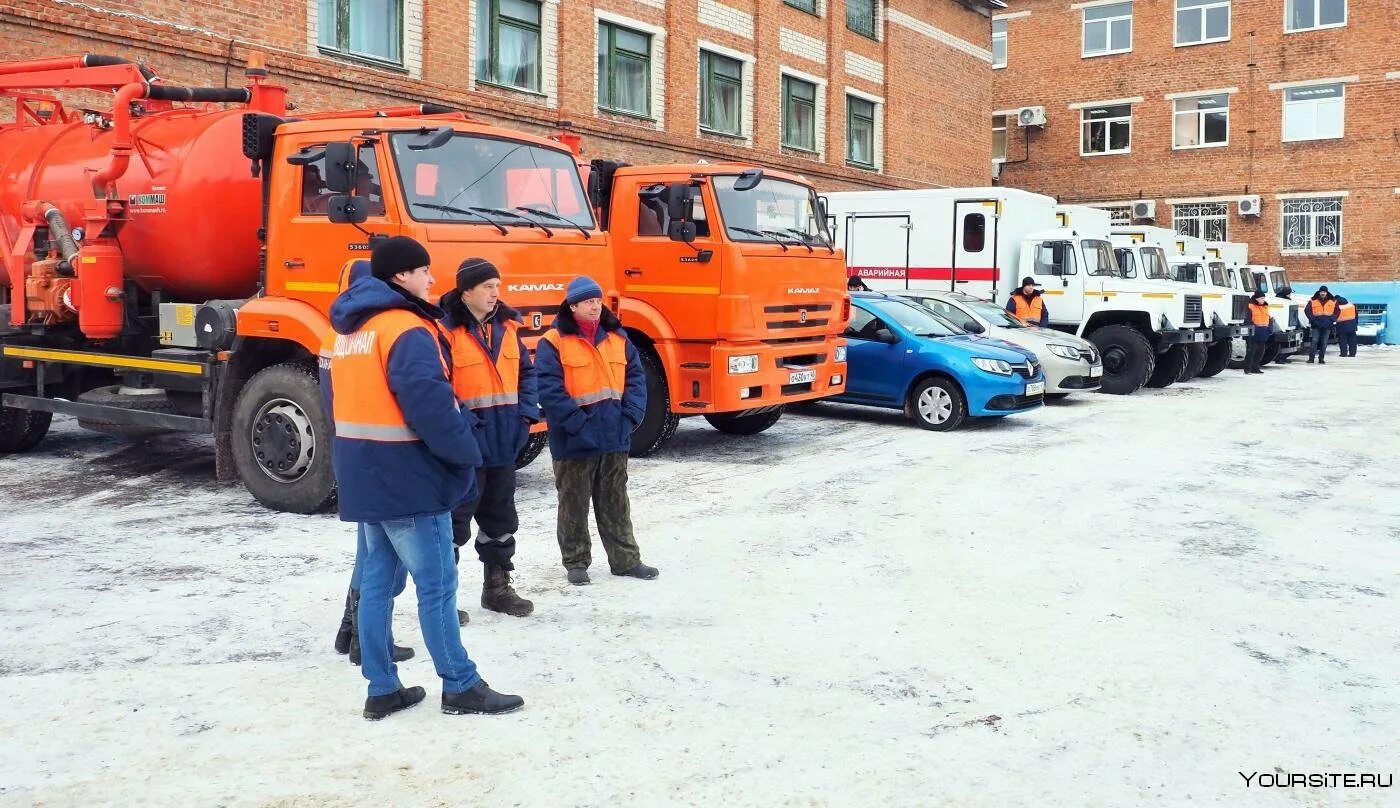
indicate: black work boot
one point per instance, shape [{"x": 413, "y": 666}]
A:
[
  {"x": 347, "y": 625},
  {"x": 377, "y": 707},
  {"x": 400, "y": 654},
  {"x": 640, "y": 571},
  {"x": 499, "y": 596},
  {"x": 480, "y": 699}
]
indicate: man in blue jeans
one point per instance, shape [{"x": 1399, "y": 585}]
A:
[{"x": 404, "y": 454}]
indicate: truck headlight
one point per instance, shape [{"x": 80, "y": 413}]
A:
[
  {"x": 841, "y": 353},
  {"x": 1064, "y": 351},
  {"x": 747, "y": 363},
  {"x": 997, "y": 366}
]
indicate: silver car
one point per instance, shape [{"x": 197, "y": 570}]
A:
[{"x": 1071, "y": 364}]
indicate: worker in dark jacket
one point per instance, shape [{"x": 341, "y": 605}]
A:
[
  {"x": 1346, "y": 326},
  {"x": 405, "y": 453},
  {"x": 856, "y": 283},
  {"x": 594, "y": 394},
  {"x": 494, "y": 378},
  {"x": 1261, "y": 329},
  {"x": 1028, "y": 304},
  {"x": 1322, "y": 316}
]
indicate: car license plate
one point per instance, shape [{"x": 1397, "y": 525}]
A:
[
  {"x": 1035, "y": 389},
  {"x": 1199, "y": 336},
  {"x": 802, "y": 377},
  {"x": 1095, "y": 371}
]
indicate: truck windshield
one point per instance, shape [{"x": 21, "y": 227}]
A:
[
  {"x": 1217, "y": 274},
  {"x": 1261, "y": 281},
  {"x": 476, "y": 179},
  {"x": 1127, "y": 263},
  {"x": 1154, "y": 263},
  {"x": 1098, "y": 258},
  {"x": 1186, "y": 273},
  {"x": 1280, "y": 279},
  {"x": 774, "y": 209},
  {"x": 1247, "y": 279},
  {"x": 916, "y": 319}
]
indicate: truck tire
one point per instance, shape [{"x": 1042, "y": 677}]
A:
[
  {"x": 1217, "y": 358},
  {"x": 21, "y": 430},
  {"x": 937, "y": 403},
  {"x": 112, "y": 396},
  {"x": 659, "y": 424},
  {"x": 1270, "y": 354},
  {"x": 282, "y": 440},
  {"x": 531, "y": 449},
  {"x": 1196, "y": 355},
  {"x": 1170, "y": 366},
  {"x": 1128, "y": 360},
  {"x": 732, "y": 423}
]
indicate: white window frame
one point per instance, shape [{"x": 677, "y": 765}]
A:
[
  {"x": 1317, "y": 9},
  {"x": 1084, "y": 121},
  {"x": 1201, "y": 218},
  {"x": 746, "y": 98},
  {"x": 657, "y": 118},
  {"x": 1229, "y": 23},
  {"x": 999, "y": 35},
  {"x": 1200, "y": 121},
  {"x": 1340, "y": 213},
  {"x": 820, "y": 121},
  {"x": 1084, "y": 22},
  {"x": 1342, "y": 123},
  {"x": 877, "y": 136}
]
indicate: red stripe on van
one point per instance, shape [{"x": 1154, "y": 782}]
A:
[{"x": 988, "y": 274}]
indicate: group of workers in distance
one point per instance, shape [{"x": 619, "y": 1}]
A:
[{"x": 431, "y": 406}]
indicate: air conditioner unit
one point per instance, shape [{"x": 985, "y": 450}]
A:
[
  {"x": 1249, "y": 206},
  {"x": 1145, "y": 209},
  {"x": 1031, "y": 116}
]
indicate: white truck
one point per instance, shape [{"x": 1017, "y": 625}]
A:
[
  {"x": 983, "y": 241},
  {"x": 1288, "y": 323}
]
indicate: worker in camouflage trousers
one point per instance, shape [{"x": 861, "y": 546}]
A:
[
  {"x": 593, "y": 391},
  {"x": 493, "y": 376}
]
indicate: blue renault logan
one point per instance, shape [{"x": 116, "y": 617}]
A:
[{"x": 903, "y": 356}]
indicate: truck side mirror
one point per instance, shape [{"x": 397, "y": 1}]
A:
[
  {"x": 339, "y": 173},
  {"x": 431, "y": 139},
  {"x": 749, "y": 179},
  {"x": 681, "y": 231},
  {"x": 346, "y": 209},
  {"x": 822, "y": 207},
  {"x": 679, "y": 201}
]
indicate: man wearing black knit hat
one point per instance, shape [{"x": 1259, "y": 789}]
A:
[{"x": 493, "y": 377}]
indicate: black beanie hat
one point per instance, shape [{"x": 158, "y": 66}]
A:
[
  {"x": 474, "y": 272},
  {"x": 398, "y": 254}
]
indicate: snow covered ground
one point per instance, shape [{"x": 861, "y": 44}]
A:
[{"x": 1115, "y": 601}]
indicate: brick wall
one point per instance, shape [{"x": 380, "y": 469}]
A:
[
  {"x": 1045, "y": 67},
  {"x": 928, "y": 70}
]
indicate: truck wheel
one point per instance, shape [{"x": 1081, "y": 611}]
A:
[
  {"x": 1170, "y": 366},
  {"x": 1128, "y": 360},
  {"x": 21, "y": 430},
  {"x": 1270, "y": 354},
  {"x": 1217, "y": 357},
  {"x": 659, "y": 424},
  {"x": 281, "y": 440},
  {"x": 532, "y": 449},
  {"x": 1196, "y": 354},
  {"x": 1238, "y": 349},
  {"x": 732, "y": 423},
  {"x": 936, "y": 403},
  {"x": 115, "y": 395}
]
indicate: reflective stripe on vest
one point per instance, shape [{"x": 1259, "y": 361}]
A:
[
  {"x": 479, "y": 382},
  {"x": 592, "y": 373},
  {"x": 364, "y": 407},
  {"x": 1346, "y": 312},
  {"x": 1327, "y": 309},
  {"x": 1259, "y": 314},
  {"x": 1029, "y": 310}
]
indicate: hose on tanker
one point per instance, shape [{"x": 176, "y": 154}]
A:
[
  {"x": 436, "y": 109},
  {"x": 61, "y": 233},
  {"x": 219, "y": 95},
  {"x": 98, "y": 60}
]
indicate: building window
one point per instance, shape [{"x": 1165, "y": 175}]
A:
[
  {"x": 809, "y": 6},
  {"x": 799, "y": 114},
  {"x": 1199, "y": 21},
  {"x": 721, "y": 94},
  {"x": 1205, "y": 220},
  {"x": 860, "y": 131},
  {"x": 1201, "y": 121},
  {"x": 1314, "y": 113},
  {"x": 998, "y": 137},
  {"x": 1118, "y": 215},
  {"x": 1108, "y": 29},
  {"x": 1312, "y": 225},
  {"x": 366, "y": 28},
  {"x": 860, "y": 16},
  {"x": 508, "y": 43},
  {"x": 1107, "y": 130},
  {"x": 998, "y": 43},
  {"x": 1306, "y": 15},
  {"x": 624, "y": 70}
]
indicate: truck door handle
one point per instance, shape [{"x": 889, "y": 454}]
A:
[
  {"x": 631, "y": 271},
  {"x": 293, "y": 263}
]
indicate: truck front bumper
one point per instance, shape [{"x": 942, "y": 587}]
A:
[{"x": 786, "y": 374}]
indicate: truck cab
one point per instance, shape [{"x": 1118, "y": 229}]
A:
[{"x": 1288, "y": 324}]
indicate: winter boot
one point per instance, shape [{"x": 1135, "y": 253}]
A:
[
  {"x": 578, "y": 576},
  {"x": 480, "y": 699},
  {"x": 400, "y": 654},
  {"x": 347, "y": 625},
  {"x": 498, "y": 595},
  {"x": 640, "y": 571},
  {"x": 377, "y": 707}
]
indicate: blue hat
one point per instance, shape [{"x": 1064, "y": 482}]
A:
[{"x": 580, "y": 289}]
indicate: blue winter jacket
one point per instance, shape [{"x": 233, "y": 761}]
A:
[
  {"x": 505, "y": 429},
  {"x": 380, "y": 481},
  {"x": 595, "y": 429}
]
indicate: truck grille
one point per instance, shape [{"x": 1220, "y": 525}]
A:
[
  {"x": 1193, "y": 309},
  {"x": 1241, "y": 307},
  {"x": 798, "y": 315}
]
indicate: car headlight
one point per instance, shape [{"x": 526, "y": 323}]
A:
[
  {"x": 997, "y": 366},
  {"x": 747, "y": 363},
  {"x": 840, "y": 353},
  {"x": 1064, "y": 351}
]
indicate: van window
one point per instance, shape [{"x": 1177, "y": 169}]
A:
[
  {"x": 1054, "y": 258},
  {"x": 974, "y": 232}
]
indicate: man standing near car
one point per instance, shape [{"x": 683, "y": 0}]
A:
[{"x": 1028, "y": 304}]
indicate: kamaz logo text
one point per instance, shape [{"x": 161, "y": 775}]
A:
[
  {"x": 535, "y": 287},
  {"x": 804, "y": 291}
]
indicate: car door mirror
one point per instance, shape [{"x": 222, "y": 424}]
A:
[
  {"x": 886, "y": 336},
  {"x": 973, "y": 327}
]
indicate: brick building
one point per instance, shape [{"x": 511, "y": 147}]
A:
[
  {"x": 1201, "y": 105},
  {"x": 852, "y": 94}
]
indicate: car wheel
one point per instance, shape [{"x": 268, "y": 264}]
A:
[{"x": 938, "y": 404}]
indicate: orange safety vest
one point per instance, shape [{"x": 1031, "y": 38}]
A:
[
  {"x": 1325, "y": 309},
  {"x": 1346, "y": 312},
  {"x": 477, "y": 381},
  {"x": 1259, "y": 314},
  {"x": 1030, "y": 312},
  {"x": 364, "y": 408},
  {"x": 592, "y": 373}
]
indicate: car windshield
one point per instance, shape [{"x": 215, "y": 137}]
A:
[
  {"x": 485, "y": 180},
  {"x": 773, "y": 210},
  {"x": 1186, "y": 273},
  {"x": 1217, "y": 274},
  {"x": 916, "y": 319},
  {"x": 1127, "y": 262},
  {"x": 1098, "y": 258},
  {"x": 1154, "y": 263},
  {"x": 994, "y": 314}
]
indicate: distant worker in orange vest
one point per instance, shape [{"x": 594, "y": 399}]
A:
[
  {"x": 1028, "y": 304},
  {"x": 405, "y": 453},
  {"x": 1322, "y": 316},
  {"x": 1346, "y": 326},
  {"x": 1260, "y": 331},
  {"x": 493, "y": 377},
  {"x": 594, "y": 394}
]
